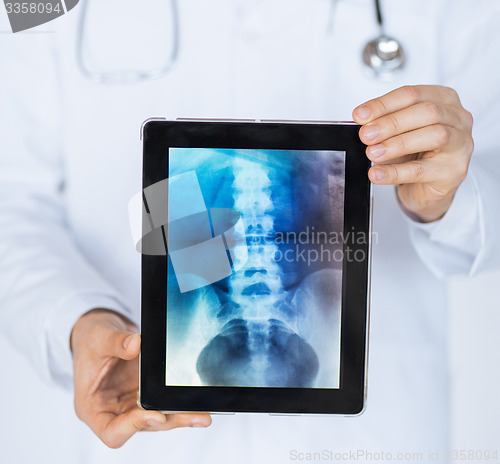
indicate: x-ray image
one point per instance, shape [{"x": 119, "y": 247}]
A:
[{"x": 255, "y": 275}]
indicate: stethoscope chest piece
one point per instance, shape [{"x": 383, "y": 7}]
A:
[{"x": 384, "y": 56}]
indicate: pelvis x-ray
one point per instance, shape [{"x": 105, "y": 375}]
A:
[{"x": 271, "y": 315}]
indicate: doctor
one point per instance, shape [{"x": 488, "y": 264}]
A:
[{"x": 70, "y": 160}]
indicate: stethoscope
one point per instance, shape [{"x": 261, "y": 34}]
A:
[
  {"x": 383, "y": 56},
  {"x": 128, "y": 76}
]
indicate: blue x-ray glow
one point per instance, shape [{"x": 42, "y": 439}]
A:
[{"x": 271, "y": 317}]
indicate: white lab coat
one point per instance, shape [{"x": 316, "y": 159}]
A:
[{"x": 70, "y": 159}]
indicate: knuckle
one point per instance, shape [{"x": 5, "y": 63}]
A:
[
  {"x": 418, "y": 170},
  {"x": 402, "y": 145},
  {"x": 412, "y": 93},
  {"x": 468, "y": 119},
  {"x": 116, "y": 344},
  {"x": 442, "y": 134},
  {"x": 395, "y": 174},
  {"x": 382, "y": 108},
  {"x": 138, "y": 425},
  {"x": 112, "y": 442},
  {"x": 452, "y": 93},
  {"x": 469, "y": 145},
  {"x": 461, "y": 170},
  {"x": 393, "y": 121},
  {"x": 434, "y": 111}
]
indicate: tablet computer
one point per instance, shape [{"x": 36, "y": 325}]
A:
[{"x": 255, "y": 267}]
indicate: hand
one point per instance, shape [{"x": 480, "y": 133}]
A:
[
  {"x": 420, "y": 137},
  {"x": 106, "y": 375}
]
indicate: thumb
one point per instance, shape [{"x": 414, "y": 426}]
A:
[
  {"x": 131, "y": 346},
  {"x": 119, "y": 343}
]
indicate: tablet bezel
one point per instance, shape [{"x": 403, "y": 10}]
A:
[{"x": 158, "y": 137}]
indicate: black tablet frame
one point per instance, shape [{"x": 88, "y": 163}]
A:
[{"x": 158, "y": 137}]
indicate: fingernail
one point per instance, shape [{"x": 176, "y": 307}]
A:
[
  {"x": 127, "y": 341},
  {"x": 379, "y": 174},
  {"x": 198, "y": 425},
  {"x": 376, "y": 151},
  {"x": 155, "y": 422},
  {"x": 363, "y": 113},
  {"x": 370, "y": 132}
]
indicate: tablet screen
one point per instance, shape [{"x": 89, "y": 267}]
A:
[{"x": 256, "y": 248}]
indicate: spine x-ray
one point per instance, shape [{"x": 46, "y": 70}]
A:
[{"x": 254, "y": 286}]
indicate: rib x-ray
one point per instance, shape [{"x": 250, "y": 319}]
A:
[{"x": 255, "y": 267}]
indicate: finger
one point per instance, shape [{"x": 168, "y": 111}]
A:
[
  {"x": 116, "y": 342},
  {"x": 115, "y": 430},
  {"x": 412, "y": 118},
  {"x": 432, "y": 138},
  {"x": 445, "y": 173},
  {"x": 183, "y": 420},
  {"x": 418, "y": 171},
  {"x": 402, "y": 98}
]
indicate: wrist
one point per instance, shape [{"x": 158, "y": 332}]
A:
[{"x": 425, "y": 213}]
